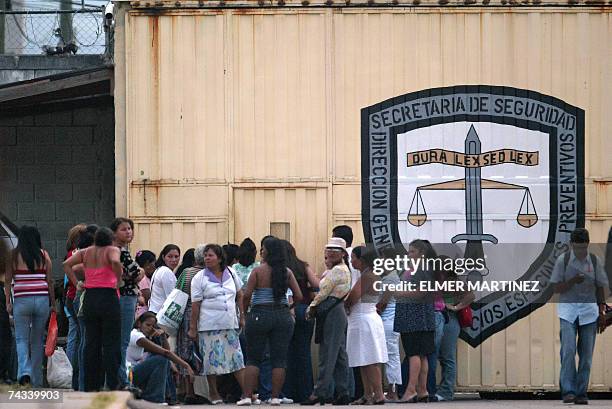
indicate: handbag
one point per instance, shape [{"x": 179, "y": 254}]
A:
[
  {"x": 51, "y": 335},
  {"x": 321, "y": 312},
  {"x": 464, "y": 316},
  {"x": 170, "y": 316}
]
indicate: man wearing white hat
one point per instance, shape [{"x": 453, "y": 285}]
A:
[{"x": 330, "y": 332}]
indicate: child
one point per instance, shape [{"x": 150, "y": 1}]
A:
[
  {"x": 146, "y": 260},
  {"x": 150, "y": 355}
]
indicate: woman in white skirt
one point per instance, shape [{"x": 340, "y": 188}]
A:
[{"x": 365, "y": 339}]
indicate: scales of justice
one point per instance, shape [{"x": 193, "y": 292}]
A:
[{"x": 473, "y": 184}]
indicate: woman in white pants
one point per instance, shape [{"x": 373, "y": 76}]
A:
[{"x": 386, "y": 309}]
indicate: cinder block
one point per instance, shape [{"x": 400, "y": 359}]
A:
[
  {"x": 45, "y": 229},
  {"x": 81, "y": 210},
  {"x": 57, "y": 118},
  {"x": 61, "y": 155},
  {"x": 60, "y": 231},
  {"x": 8, "y": 174},
  {"x": 25, "y": 120},
  {"x": 87, "y": 191},
  {"x": 17, "y": 192},
  {"x": 74, "y": 174},
  {"x": 36, "y": 174},
  {"x": 57, "y": 192},
  {"x": 9, "y": 209},
  {"x": 35, "y": 135},
  {"x": 8, "y": 135},
  {"x": 23, "y": 155},
  {"x": 104, "y": 134},
  {"x": 88, "y": 116},
  {"x": 36, "y": 211},
  {"x": 85, "y": 154},
  {"x": 75, "y": 135},
  {"x": 51, "y": 247}
]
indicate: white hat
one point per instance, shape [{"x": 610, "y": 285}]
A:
[{"x": 336, "y": 243}]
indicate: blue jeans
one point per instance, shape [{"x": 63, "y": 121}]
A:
[
  {"x": 151, "y": 377},
  {"x": 31, "y": 314},
  {"x": 79, "y": 382},
  {"x": 447, "y": 355},
  {"x": 298, "y": 382},
  {"x": 127, "y": 305},
  {"x": 72, "y": 342},
  {"x": 572, "y": 382},
  {"x": 432, "y": 359}
]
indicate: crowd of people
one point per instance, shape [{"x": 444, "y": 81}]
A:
[{"x": 248, "y": 325}]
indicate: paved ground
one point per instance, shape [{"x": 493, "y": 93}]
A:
[
  {"x": 71, "y": 400},
  {"x": 121, "y": 400},
  {"x": 458, "y": 404}
]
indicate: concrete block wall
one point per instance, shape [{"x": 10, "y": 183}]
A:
[{"x": 57, "y": 169}]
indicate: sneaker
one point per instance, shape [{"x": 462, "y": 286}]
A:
[
  {"x": 283, "y": 401},
  {"x": 275, "y": 402},
  {"x": 256, "y": 401},
  {"x": 569, "y": 399},
  {"x": 244, "y": 402},
  {"x": 440, "y": 398}
]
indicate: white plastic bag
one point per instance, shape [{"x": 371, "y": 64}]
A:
[
  {"x": 59, "y": 370},
  {"x": 171, "y": 314}
]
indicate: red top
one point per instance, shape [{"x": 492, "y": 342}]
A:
[
  {"x": 71, "y": 290},
  {"x": 30, "y": 284}
]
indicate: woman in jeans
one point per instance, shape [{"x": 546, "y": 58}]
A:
[
  {"x": 30, "y": 273},
  {"x": 72, "y": 343},
  {"x": 150, "y": 356},
  {"x": 331, "y": 330},
  {"x": 269, "y": 320},
  {"x": 298, "y": 382},
  {"x": 447, "y": 352},
  {"x": 101, "y": 309},
  {"x": 86, "y": 239},
  {"x": 123, "y": 230}
]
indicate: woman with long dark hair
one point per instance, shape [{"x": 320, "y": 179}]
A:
[
  {"x": 103, "y": 270},
  {"x": 123, "y": 230},
  {"x": 30, "y": 273},
  {"x": 188, "y": 261},
  {"x": 415, "y": 321},
  {"x": 269, "y": 320},
  {"x": 247, "y": 252},
  {"x": 298, "y": 382},
  {"x": 163, "y": 280}
]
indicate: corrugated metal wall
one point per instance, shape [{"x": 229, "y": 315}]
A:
[{"x": 237, "y": 118}]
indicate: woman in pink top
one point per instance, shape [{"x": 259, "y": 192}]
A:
[
  {"x": 30, "y": 273},
  {"x": 103, "y": 270}
]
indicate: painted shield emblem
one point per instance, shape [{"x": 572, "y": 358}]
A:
[{"x": 483, "y": 171}]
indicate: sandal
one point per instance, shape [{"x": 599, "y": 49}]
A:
[
  {"x": 413, "y": 399},
  {"x": 361, "y": 401}
]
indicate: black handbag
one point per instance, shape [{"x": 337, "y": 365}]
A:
[{"x": 321, "y": 312}]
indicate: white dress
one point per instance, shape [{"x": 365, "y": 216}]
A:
[{"x": 365, "y": 337}]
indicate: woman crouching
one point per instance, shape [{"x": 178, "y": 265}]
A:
[{"x": 150, "y": 355}]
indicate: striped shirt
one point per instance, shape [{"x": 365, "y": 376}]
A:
[{"x": 29, "y": 284}]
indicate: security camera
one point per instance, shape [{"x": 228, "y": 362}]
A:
[{"x": 109, "y": 12}]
